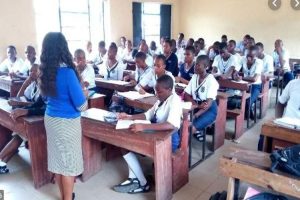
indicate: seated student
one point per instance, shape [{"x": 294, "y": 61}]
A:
[
  {"x": 213, "y": 51},
  {"x": 186, "y": 70},
  {"x": 180, "y": 43},
  {"x": 252, "y": 68},
  {"x": 224, "y": 64},
  {"x": 90, "y": 54},
  {"x": 30, "y": 60},
  {"x": 153, "y": 49},
  {"x": 128, "y": 52},
  {"x": 202, "y": 92},
  {"x": 172, "y": 60},
  {"x": 112, "y": 69},
  {"x": 202, "y": 50},
  {"x": 86, "y": 71},
  {"x": 173, "y": 46},
  {"x": 190, "y": 42},
  {"x": 281, "y": 62},
  {"x": 160, "y": 45},
  {"x": 122, "y": 47},
  {"x": 268, "y": 63},
  {"x": 232, "y": 50},
  {"x": 12, "y": 65},
  {"x": 241, "y": 46},
  {"x": 250, "y": 43},
  {"x": 163, "y": 116},
  {"x": 149, "y": 81},
  {"x": 144, "y": 48},
  {"x": 224, "y": 38}
]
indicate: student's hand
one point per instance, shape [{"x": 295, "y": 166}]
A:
[
  {"x": 12, "y": 103},
  {"x": 136, "y": 128},
  {"x": 12, "y": 74},
  {"x": 19, "y": 112},
  {"x": 126, "y": 78},
  {"x": 133, "y": 82},
  {"x": 196, "y": 115},
  {"x": 203, "y": 105},
  {"x": 223, "y": 77},
  {"x": 177, "y": 79},
  {"x": 214, "y": 70},
  {"x": 86, "y": 84},
  {"x": 142, "y": 91},
  {"x": 123, "y": 116}
]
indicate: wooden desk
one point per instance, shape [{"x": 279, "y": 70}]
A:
[
  {"x": 96, "y": 101},
  {"x": 31, "y": 128},
  {"x": 253, "y": 167},
  {"x": 277, "y": 137},
  {"x": 104, "y": 84},
  {"x": 9, "y": 85},
  {"x": 155, "y": 145}
]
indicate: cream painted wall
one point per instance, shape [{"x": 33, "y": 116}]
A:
[
  {"x": 17, "y": 25},
  {"x": 210, "y": 19}
]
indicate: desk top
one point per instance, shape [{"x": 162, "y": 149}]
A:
[
  {"x": 238, "y": 85},
  {"x": 121, "y": 86}
]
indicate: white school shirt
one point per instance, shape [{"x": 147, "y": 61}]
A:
[
  {"x": 180, "y": 55},
  {"x": 91, "y": 57},
  {"x": 140, "y": 75},
  {"x": 27, "y": 65},
  {"x": 286, "y": 58},
  {"x": 212, "y": 54},
  {"x": 150, "y": 79},
  {"x": 98, "y": 59},
  {"x": 121, "y": 52},
  {"x": 256, "y": 68},
  {"x": 149, "y": 60},
  {"x": 8, "y": 66},
  {"x": 170, "y": 111},
  {"x": 238, "y": 58},
  {"x": 240, "y": 47},
  {"x": 127, "y": 55},
  {"x": 224, "y": 66},
  {"x": 268, "y": 64},
  {"x": 32, "y": 92},
  {"x": 88, "y": 75},
  {"x": 291, "y": 96},
  {"x": 113, "y": 73},
  {"x": 208, "y": 89}
]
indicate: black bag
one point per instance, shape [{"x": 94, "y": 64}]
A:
[
  {"x": 219, "y": 196},
  {"x": 234, "y": 102},
  {"x": 287, "y": 160},
  {"x": 267, "y": 196}
]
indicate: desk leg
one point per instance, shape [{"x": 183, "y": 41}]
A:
[
  {"x": 267, "y": 145},
  {"x": 92, "y": 157},
  {"x": 38, "y": 154},
  {"x": 163, "y": 170},
  {"x": 5, "y": 137},
  {"x": 220, "y": 125}
]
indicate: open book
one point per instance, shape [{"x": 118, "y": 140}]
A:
[
  {"x": 288, "y": 122},
  {"x": 133, "y": 95},
  {"x": 124, "y": 124}
]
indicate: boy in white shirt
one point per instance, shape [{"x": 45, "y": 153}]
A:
[
  {"x": 122, "y": 47},
  {"x": 164, "y": 115},
  {"x": 30, "y": 60},
  {"x": 202, "y": 92},
  {"x": 102, "y": 54},
  {"x": 241, "y": 46},
  {"x": 268, "y": 63},
  {"x": 232, "y": 50},
  {"x": 144, "y": 48},
  {"x": 213, "y": 51},
  {"x": 86, "y": 71},
  {"x": 12, "y": 65}
]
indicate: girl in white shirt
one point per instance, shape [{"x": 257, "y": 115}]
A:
[{"x": 202, "y": 92}]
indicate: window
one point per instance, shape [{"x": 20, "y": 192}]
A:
[{"x": 151, "y": 22}]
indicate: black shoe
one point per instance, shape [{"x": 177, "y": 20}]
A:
[
  {"x": 141, "y": 189},
  {"x": 4, "y": 170},
  {"x": 73, "y": 196},
  {"x": 133, "y": 183},
  {"x": 199, "y": 136}
]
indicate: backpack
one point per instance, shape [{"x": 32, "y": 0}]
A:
[
  {"x": 219, "y": 196},
  {"x": 266, "y": 196},
  {"x": 287, "y": 160}
]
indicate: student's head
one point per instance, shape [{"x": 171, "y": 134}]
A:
[
  {"x": 202, "y": 43},
  {"x": 101, "y": 46},
  {"x": 197, "y": 47},
  {"x": 162, "y": 39},
  {"x": 34, "y": 72},
  {"x": 189, "y": 54},
  {"x": 55, "y": 52},
  {"x": 190, "y": 42},
  {"x": 202, "y": 63},
  {"x": 278, "y": 44},
  {"x": 164, "y": 87},
  {"x": 112, "y": 51},
  {"x": 153, "y": 46},
  {"x": 140, "y": 59},
  {"x": 79, "y": 58},
  {"x": 167, "y": 45},
  {"x": 128, "y": 44},
  {"x": 122, "y": 41},
  {"x": 231, "y": 46},
  {"x": 251, "y": 55},
  {"x": 260, "y": 48},
  {"x": 159, "y": 64},
  {"x": 223, "y": 50},
  {"x": 251, "y": 42},
  {"x": 224, "y": 38},
  {"x": 143, "y": 47},
  {"x": 30, "y": 53},
  {"x": 180, "y": 36},
  {"x": 11, "y": 52},
  {"x": 89, "y": 47},
  {"x": 245, "y": 39},
  {"x": 216, "y": 47}
]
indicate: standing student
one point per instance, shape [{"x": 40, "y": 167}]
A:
[
  {"x": 172, "y": 60},
  {"x": 86, "y": 71},
  {"x": 12, "y": 65},
  {"x": 163, "y": 116},
  {"x": 30, "y": 59},
  {"x": 202, "y": 92},
  {"x": 60, "y": 84},
  {"x": 112, "y": 69},
  {"x": 281, "y": 62},
  {"x": 186, "y": 69},
  {"x": 224, "y": 64},
  {"x": 268, "y": 63}
]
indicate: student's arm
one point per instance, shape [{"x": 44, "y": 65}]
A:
[
  {"x": 251, "y": 78},
  {"x": 279, "y": 109},
  {"x": 281, "y": 57},
  {"x": 179, "y": 79},
  {"x": 282, "y": 101},
  {"x": 203, "y": 107},
  {"x": 26, "y": 83},
  {"x": 188, "y": 91},
  {"x": 189, "y": 98}
]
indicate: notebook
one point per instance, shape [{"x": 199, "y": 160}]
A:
[
  {"x": 133, "y": 95},
  {"x": 292, "y": 123}
]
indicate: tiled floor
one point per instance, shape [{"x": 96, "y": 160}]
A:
[{"x": 205, "y": 179}]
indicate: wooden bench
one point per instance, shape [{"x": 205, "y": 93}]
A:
[{"x": 253, "y": 167}]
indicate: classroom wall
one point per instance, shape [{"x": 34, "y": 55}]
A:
[
  {"x": 17, "y": 25},
  {"x": 210, "y": 19}
]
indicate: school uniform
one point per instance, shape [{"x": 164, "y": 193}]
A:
[
  {"x": 90, "y": 57},
  {"x": 88, "y": 75},
  {"x": 208, "y": 89},
  {"x": 212, "y": 54},
  {"x": 140, "y": 75},
  {"x": 32, "y": 92},
  {"x": 154, "y": 52},
  {"x": 268, "y": 64},
  {"x": 180, "y": 55},
  {"x": 9, "y": 67},
  {"x": 99, "y": 59},
  {"x": 150, "y": 79},
  {"x": 241, "y": 47},
  {"x": 121, "y": 51},
  {"x": 112, "y": 73},
  {"x": 186, "y": 74},
  {"x": 27, "y": 66},
  {"x": 127, "y": 55},
  {"x": 224, "y": 66},
  {"x": 287, "y": 74},
  {"x": 149, "y": 60},
  {"x": 166, "y": 112},
  {"x": 172, "y": 64}
]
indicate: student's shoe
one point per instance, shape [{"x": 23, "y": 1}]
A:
[
  {"x": 4, "y": 170},
  {"x": 127, "y": 186},
  {"x": 199, "y": 136},
  {"x": 141, "y": 189},
  {"x": 73, "y": 196}
]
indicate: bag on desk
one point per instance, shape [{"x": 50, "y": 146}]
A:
[
  {"x": 267, "y": 196},
  {"x": 287, "y": 160}
]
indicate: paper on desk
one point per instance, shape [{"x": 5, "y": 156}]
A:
[
  {"x": 124, "y": 124},
  {"x": 186, "y": 105},
  {"x": 288, "y": 122},
  {"x": 241, "y": 81},
  {"x": 117, "y": 82},
  {"x": 181, "y": 85},
  {"x": 250, "y": 193},
  {"x": 133, "y": 95}
]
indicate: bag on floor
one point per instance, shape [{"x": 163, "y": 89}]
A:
[
  {"x": 267, "y": 196},
  {"x": 287, "y": 160},
  {"x": 219, "y": 196}
]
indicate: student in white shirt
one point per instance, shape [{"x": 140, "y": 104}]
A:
[
  {"x": 252, "y": 68},
  {"x": 268, "y": 63},
  {"x": 164, "y": 115},
  {"x": 112, "y": 69},
  {"x": 160, "y": 45},
  {"x": 12, "y": 65},
  {"x": 199, "y": 49},
  {"x": 90, "y": 55},
  {"x": 224, "y": 38},
  {"x": 86, "y": 71},
  {"x": 102, "y": 54},
  {"x": 232, "y": 50},
  {"x": 128, "y": 52},
  {"x": 202, "y": 92},
  {"x": 224, "y": 64},
  {"x": 144, "y": 48},
  {"x": 180, "y": 43},
  {"x": 281, "y": 62},
  {"x": 250, "y": 43},
  {"x": 241, "y": 46},
  {"x": 31, "y": 59},
  {"x": 154, "y": 49},
  {"x": 186, "y": 69},
  {"x": 213, "y": 51},
  {"x": 122, "y": 47}
]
